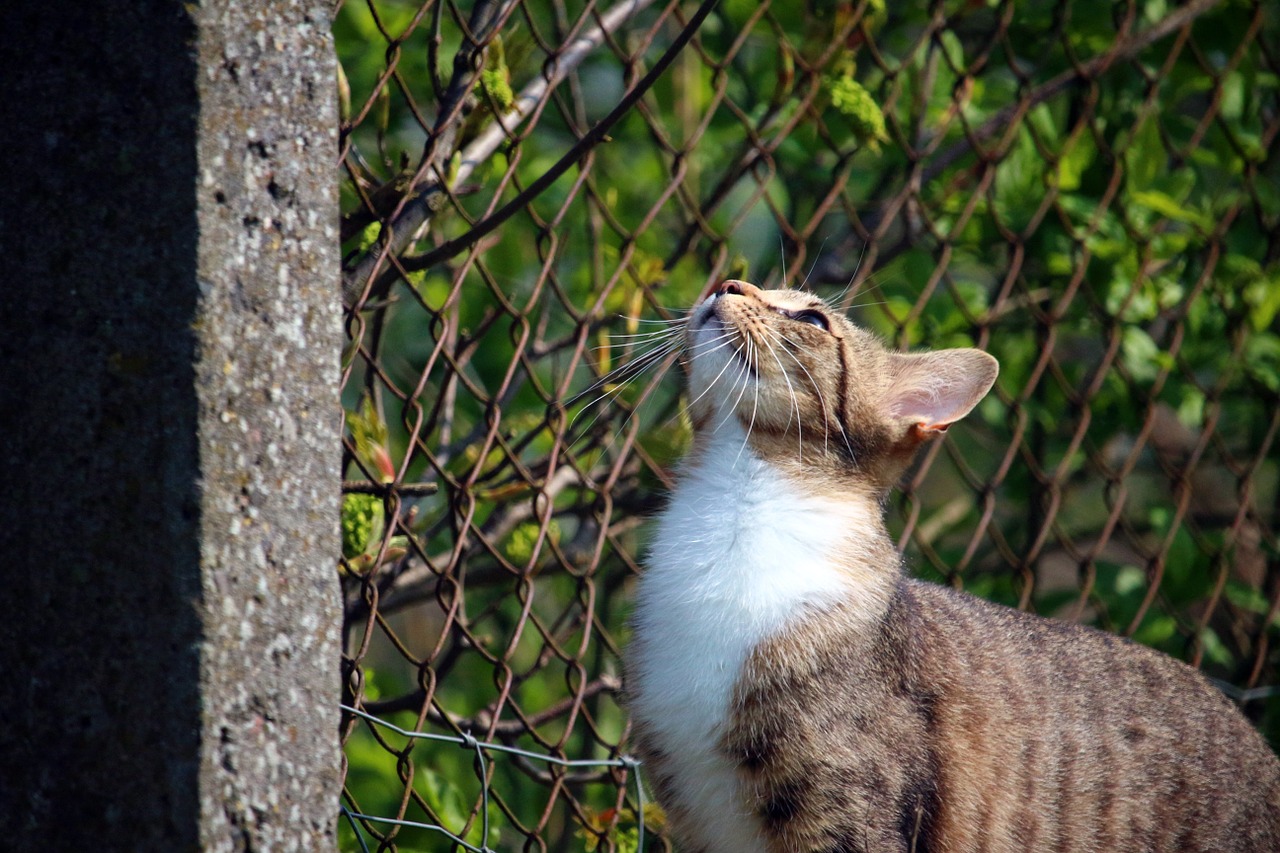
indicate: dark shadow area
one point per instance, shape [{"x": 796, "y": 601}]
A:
[{"x": 99, "y": 461}]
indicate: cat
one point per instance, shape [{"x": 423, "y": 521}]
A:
[{"x": 792, "y": 691}]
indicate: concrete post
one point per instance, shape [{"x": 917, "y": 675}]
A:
[{"x": 170, "y": 337}]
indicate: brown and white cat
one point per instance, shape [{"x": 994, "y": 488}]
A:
[{"x": 792, "y": 690}]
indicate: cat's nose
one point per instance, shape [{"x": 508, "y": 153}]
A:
[{"x": 737, "y": 288}]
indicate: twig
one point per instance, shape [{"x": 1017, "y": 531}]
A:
[
  {"x": 405, "y": 227},
  {"x": 365, "y": 487},
  {"x": 588, "y": 141},
  {"x": 419, "y": 201}
]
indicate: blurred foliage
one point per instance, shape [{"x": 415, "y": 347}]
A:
[{"x": 1098, "y": 211}]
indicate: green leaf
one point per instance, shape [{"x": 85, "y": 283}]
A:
[
  {"x": 1142, "y": 356},
  {"x": 1231, "y": 106},
  {"x": 1144, "y": 158},
  {"x": 1215, "y": 651},
  {"x": 1167, "y": 207},
  {"x": 1262, "y": 360},
  {"x": 1247, "y": 598},
  {"x": 495, "y": 78},
  {"x": 445, "y": 799},
  {"x": 363, "y": 522},
  {"x": 369, "y": 433},
  {"x": 1076, "y": 156},
  {"x": 520, "y": 546},
  {"x": 1191, "y": 407},
  {"x": 1263, "y": 298},
  {"x": 1157, "y": 629},
  {"x": 851, "y": 99}
]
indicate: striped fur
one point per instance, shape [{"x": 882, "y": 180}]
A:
[{"x": 809, "y": 697}]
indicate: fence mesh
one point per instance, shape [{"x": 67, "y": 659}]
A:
[{"x": 1088, "y": 190}]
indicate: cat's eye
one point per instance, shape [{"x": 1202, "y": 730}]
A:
[{"x": 813, "y": 318}]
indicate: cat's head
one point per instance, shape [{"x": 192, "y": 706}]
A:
[{"x": 814, "y": 392}]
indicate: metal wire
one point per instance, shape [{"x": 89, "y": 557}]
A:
[{"x": 1084, "y": 190}]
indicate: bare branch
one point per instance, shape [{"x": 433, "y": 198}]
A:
[{"x": 427, "y": 197}]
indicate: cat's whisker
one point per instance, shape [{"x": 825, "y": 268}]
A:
[
  {"x": 625, "y": 373},
  {"x": 672, "y": 330},
  {"x": 856, "y": 267},
  {"x": 658, "y": 346},
  {"x": 755, "y": 405},
  {"x": 826, "y": 421},
  {"x": 673, "y": 321},
  {"x": 795, "y": 401},
  {"x": 713, "y": 382},
  {"x": 745, "y": 376},
  {"x": 782, "y": 252},
  {"x": 586, "y": 428},
  {"x": 634, "y": 343},
  {"x": 738, "y": 374},
  {"x": 618, "y": 342},
  {"x": 822, "y": 404},
  {"x": 652, "y": 333},
  {"x": 868, "y": 304},
  {"x": 700, "y": 350},
  {"x": 623, "y": 346},
  {"x": 814, "y": 265},
  {"x": 643, "y": 347},
  {"x": 622, "y": 430},
  {"x": 661, "y": 353},
  {"x": 667, "y": 342},
  {"x": 707, "y": 347},
  {"x": 871, "y": 284},
  {"x": 724, "y": 337},
  {"x": 620, "y": 378}
]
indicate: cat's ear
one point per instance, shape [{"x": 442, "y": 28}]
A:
[{"x": 930, "y": 391}]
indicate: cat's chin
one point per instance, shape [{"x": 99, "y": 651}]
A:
[
  {"x": 719, "y": 373},
  {"x": 704, "y": 312}
]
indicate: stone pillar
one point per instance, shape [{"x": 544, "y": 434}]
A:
[{"x": 169, "y": 485}]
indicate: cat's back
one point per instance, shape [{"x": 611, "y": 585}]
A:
[
  {"x": 1052, "y": 736},
  {"x": 967, "y": 726}
]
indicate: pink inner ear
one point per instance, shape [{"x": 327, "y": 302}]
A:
[
  {"x": 908, "y": 402},
  {"x": 933, "y": 406},
  {"x": 937, "y": 389}
]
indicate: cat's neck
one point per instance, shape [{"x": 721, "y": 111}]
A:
[
  {"x": 743, "y": 553},
  {"x": 762, "y": 523}
]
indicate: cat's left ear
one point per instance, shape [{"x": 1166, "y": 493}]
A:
[{"x": 930, "y": 391}]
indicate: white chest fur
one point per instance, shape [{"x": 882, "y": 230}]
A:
[{"x": 739, "y": 553}]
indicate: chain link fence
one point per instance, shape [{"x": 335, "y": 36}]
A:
[{"x": 1088, "y": 190}]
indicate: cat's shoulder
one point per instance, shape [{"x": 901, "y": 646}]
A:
[{"x": 973, "y": 633}]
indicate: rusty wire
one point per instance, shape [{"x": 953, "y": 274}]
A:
[{"x": 502, "y": 221}]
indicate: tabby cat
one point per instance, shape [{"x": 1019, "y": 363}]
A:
[{"x": 792, "y": 690}]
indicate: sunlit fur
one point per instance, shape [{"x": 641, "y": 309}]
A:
[
  {"x": 820, "y": 404},
  {"x": 792, "y": 690}
]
